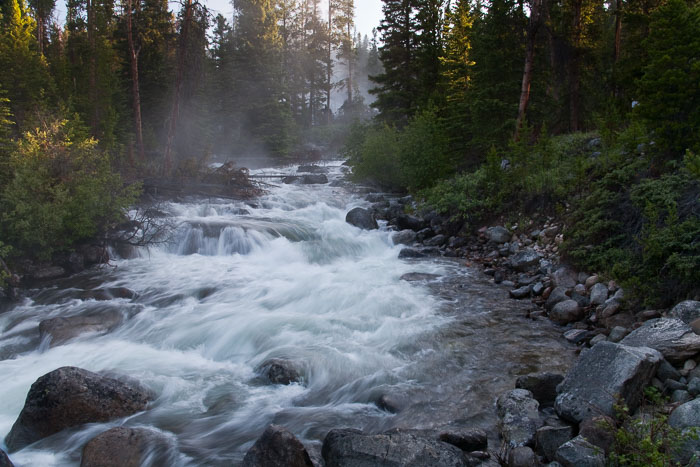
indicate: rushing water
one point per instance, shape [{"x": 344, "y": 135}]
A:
[{"x": 281, "y": 277}]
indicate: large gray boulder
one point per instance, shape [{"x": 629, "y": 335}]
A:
[
  {"x": 277, "y": 447},
  {"x": 670, "y": 336},
  {"x": 403, "y": 237},
  {"x": 409, "y": 222},
  {"x": 557, "y": 295},
  {"x": 599, "y": 293},
  {"x": 129, "y": 447},
  {"x": 519, "y": 417},
  {"x": 69, "y": 397},
  {"x": 564, "y": 277},
  {"x": 580, "y": 453},
  {"x": 550, "y": 438},
  {"x": 566, "y": 312},
  {"x": 352, "y": 448},
  {"x": 362, "y": 218},
  {"x": 687, "y": 311},
  {"x": 498, "y": 234},
  {"x": 600, "y": 375},
  {"x": 686, "y": 417},
  {"x": 525, "y": 260},
  {"x": 61, "y": 330}
]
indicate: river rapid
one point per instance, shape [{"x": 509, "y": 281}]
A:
[{"x": 283, "y": 276}]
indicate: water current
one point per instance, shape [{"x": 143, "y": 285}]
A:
[{"x": 283, "y": 276}]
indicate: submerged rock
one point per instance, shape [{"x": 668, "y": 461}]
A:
[
  {"x": 61, "y": 330},
  {"x": 362, "y": 218},
  {"x": 403, "y": 237},
  {"x": 277, "y": 447},
  {"x": 129, "y": 447},
  {"x": 280, "y": 371},
  {"x": 71, "y": 396}
]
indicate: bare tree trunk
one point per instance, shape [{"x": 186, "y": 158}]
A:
[
  {"x": 175, "y": 112},
  {"x": 136, "y": 95},
  {"x": 40, "y": 28},
  {"x": 533, "y": 27}
]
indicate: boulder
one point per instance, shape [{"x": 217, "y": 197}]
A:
[
  {"x": 129, "y": 447},
  {"x": 437, "y": 240},
  {"x": 687, "y": 311},
  {"x": 617, "y": 333},
  {"x": 557, "y": 295},
  {"x": 599, "y": 431},
  {"x": 61, "y": 330},
  {"x": 599, "y": 293},
  {"x": 686, "y": 417},
  {"x": 522, "y": 456},
  {"x": 4, "y": 460},
  {"x": 566, "y": 312},
  {"x": 543, "y": 386},
  {"x": 577, "y": 336},
  {"x": 670, "y": 336},
  {"x": 392, "y": 403},
  {"x": 521, "y": 292},
  {"x": 549, "y": 438},
  {"x": 411, "y": 253},
  {"x": 48, "y": 273},
  {"x": 409, "y": 222},
  {"x": 362, "y": 218},
  {"x": 524, "y": 260},
  {"x": 352, "y": 448},
  {"x": 403, "y": 237},
  {"x": 498, "y": 234},
  {"x": 591, "y": 281},
  {"x": 602, "y": 373},
  {"x": 518, "y": 416},
  {"x": 580, "y": 453},
  {"x": 69, "y": 397},
  {"x": 467, "y": 440},
  {"x": 280, "y": 371},
  {"x": 564, "y": 277},
  {"x": 277, "y": 447}
]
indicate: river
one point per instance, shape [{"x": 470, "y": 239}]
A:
[{"x": 282, "y": 276}]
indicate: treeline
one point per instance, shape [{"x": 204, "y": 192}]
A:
[{"x": 585, "y": 110}]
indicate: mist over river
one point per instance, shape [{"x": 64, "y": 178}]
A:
[{"x": 282, "y": 276}]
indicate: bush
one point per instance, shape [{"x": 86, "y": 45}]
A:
[{"x": 63, "y": 191}]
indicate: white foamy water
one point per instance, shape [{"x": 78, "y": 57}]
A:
[{"x": 283, "y": 278}]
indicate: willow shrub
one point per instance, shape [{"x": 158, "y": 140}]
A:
[{"x": 63, "y": 191}]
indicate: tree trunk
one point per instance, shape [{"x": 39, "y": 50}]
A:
[
  {"x": 349, "y": 39},
  {"x": 40, "y": 27},
  {"x": 136, "y": 95},
  {"x": 92, "y": 84},
  {"x": 533, "y": 27},
  {"x": 175, "y": 112}
]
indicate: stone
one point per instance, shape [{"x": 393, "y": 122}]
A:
[
  {"x": 4, "y": 460},
  {"x": 673, "y": 385},
  {"x": 687, "y": 311},
  {"x": 680, "y": 395},
  {"x": 564, "y": 277},
  {"x": 508, "y": 283},
  {"x": 618, "y": 333},
  {"x": 522, "y": 456},
  {"x": 667, "y": 371},
  {"x": 71, "y": 396},
  {"x": 518, "y": 417},
  {"x": 362, "y": 218},
  {"x": 277, "y": 447},
  {"x": 576, "y": 336},
  {"x": 498, "y": 276},
  {"x": 582, "y": 300},
  {"x": 602, "y": 373},
  {"x": 597, "y": 338},
  {"x": 352, "y": 448},
  {"x": 48, "y": 273},
  {"x": 437, "y": 240},
  {"x": 670, "y": 336},
  {"x": 280, "y": 371},
  {"x": 686, "y": 417},
  {"x": 524, "y": 260},
  {"x": 599, "y": 293},
  {"x": 599, "y": 431},
  {"x": 411, "y": 253},
  {"x": 694, "y": 386},
  {"x": 521, "y": 292},
  {"x": 409, "y": 222},
  {"x": 403, "y": 237},
  {"x": 580, "y": 289},
  {"x": 498, "y": 234},
  {"x": 688, "y": 366},
  {"x": 610, "y": 308},
  {"x": 129, "y": 447},
  {"x": 418, "y": 277},
  {"x": 392, "y": 403},
  {"x": 313, "y": 179},
  {"x": 537, "y": 289},
  {"x": 591, "y": 281},
  {"x": 61, "y": 330},
  {"x": 580, "y": 453},
  {"x": 549, "y": 438},
  {"x": 557, "y": 295},
  {"x": 646, "y": 315},
  {"x": 566, "y": 312},
  {"x": 543, "y": 386},
  {"x": 467, "y": 440}
]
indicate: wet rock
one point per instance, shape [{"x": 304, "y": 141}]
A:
[
  {"x": 424, "y": 234},
  {"x": 467, "y": 440},
  {"x": 280, "y": 371},
  {"x": 277, "y": 447},
  {"x": 600, "y": 374},
  {"x": 599, "y": 431},
  {"x": 362, "y": 218},
  {"x": 498, "y": 234},
  {"x": 525, "y": 260},
  {"x": 670, "y": 336},
  {"x": 522, "y": 456},
  {"x": 403, "y": 237},
  {"x": 129, "y": 447},
  {"x": 521, "y": 292},
  {"x": 518, "y": 417},
  {"x": 61, "y": 330},
  {"x": 437, "y": 240},
  {"x": 566, "y": 312},
  {"x": 411, "y": 253},
  {"x": 4, "y": 460},
  {"x": 580, "y": 453},
  {"x": 550, "y": 438},
  {"x": 418, "y": 276},
  {"x": 108, "y": 294},
  {"x": 392, "y": 403},
  {"x": 543, "y": 386},
  {"x": 352, "y": 448},
  {"x": 48, "y": 273},
  {"x": 599, "y": 293},
  {"x": 69, "y": 397},
  {"x": 687, "y": 311},
  {"x": 564, "y": 277},
  {"x": 557, "y": 295},
  {"x": 409, "y": 222}
]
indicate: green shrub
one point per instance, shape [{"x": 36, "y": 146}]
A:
[{"x": 63, "y": 191}]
